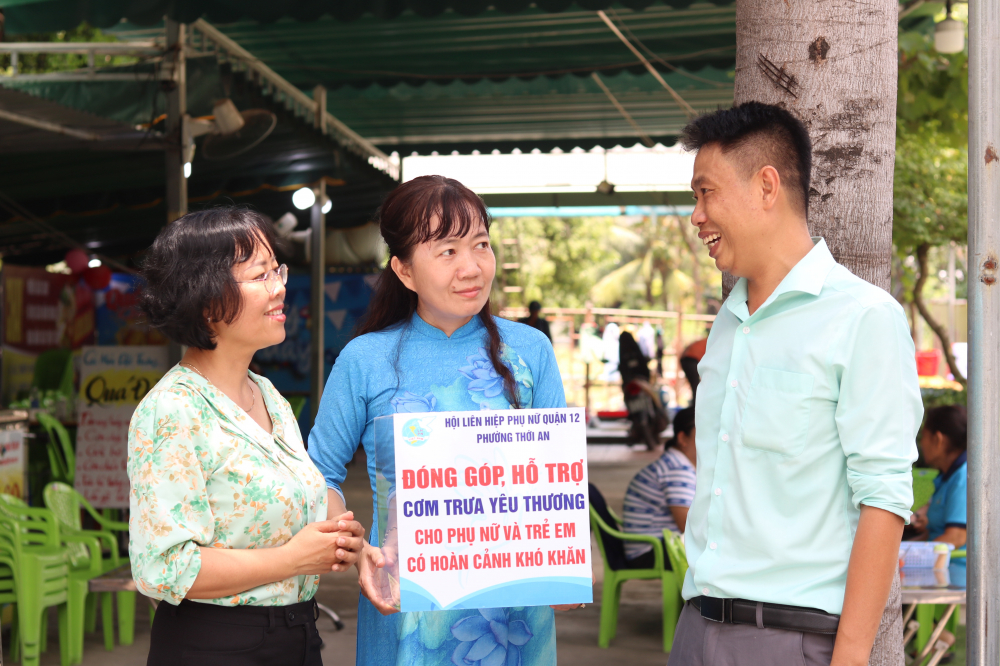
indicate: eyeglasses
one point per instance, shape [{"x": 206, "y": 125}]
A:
[{"x": 271, "y": 278}]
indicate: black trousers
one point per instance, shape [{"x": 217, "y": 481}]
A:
[{"x": 198, "y": 634}]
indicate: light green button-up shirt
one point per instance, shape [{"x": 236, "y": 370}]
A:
[{"x": 806, "y": 409}]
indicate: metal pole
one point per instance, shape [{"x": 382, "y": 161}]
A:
[
  {"x": 174, "y": 63},
  {"x": 951, "y": 292},
  {"x": 984, "y": 334},
  {"x": 317, "y": 301}
]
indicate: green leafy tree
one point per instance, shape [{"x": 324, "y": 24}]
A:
[
  {"x": 559, "y": 258},
  {"x": 933, "y": 87},
  {"x": 43, "y": 63},
  {"x": 930, "y": 209}
]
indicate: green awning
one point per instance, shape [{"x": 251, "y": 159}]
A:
[
  {"x": 34, "y": 16},
  {"x": 112, "y": 201}
]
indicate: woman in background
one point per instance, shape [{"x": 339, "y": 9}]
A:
[
  {"x": 660, "y": 495},
  {"x": 943, "y": 445}
]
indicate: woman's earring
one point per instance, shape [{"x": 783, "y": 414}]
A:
[{"x": 209, "y": 319}]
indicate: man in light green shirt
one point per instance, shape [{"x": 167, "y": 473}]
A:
[{"x": 806, "y": 419}]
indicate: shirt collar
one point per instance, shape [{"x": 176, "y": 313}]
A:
[
  {"x": 807, "y": 277},
  {"x": 236, "y": 417},
  {"x": 959, "y": 461},
  {"x": 474, "y": 325}
]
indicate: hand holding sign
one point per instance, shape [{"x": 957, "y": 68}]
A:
[{"x": 376, "y": 583}]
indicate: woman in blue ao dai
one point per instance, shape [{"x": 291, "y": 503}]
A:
[{"x": 430, "y": 343}]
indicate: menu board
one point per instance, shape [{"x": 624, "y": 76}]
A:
[{"x": 112, "y": 382}]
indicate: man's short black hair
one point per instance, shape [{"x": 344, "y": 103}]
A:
[
  {"x": 534, "y": 306},
  {"x": 756, "y": 135},
  {"x": 189, "y": 271}
]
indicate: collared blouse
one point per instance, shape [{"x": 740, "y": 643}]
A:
[{"x": 205, "y": 474}]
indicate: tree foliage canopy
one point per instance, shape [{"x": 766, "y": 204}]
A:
[
  {"x": 933, "y": 88},
  {"x": 930, "y": 190}
]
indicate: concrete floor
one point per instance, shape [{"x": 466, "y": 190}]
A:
[{"x": 638, "y": 641}]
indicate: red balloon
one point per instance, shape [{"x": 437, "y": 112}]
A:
[
  {"x": 77, "y": 260},
  {"x": 97, "y": 278}
]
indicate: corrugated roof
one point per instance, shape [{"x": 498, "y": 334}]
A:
[{"x": 25, "y": 16}]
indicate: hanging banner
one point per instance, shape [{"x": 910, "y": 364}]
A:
[
  {"x": 491, "y": 509},
  {"x": 112, "y": 382},
  {"x": 41, "y": 311}
]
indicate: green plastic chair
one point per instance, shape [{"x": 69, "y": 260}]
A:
[
  {"x": 30, "y": 541},
  {"x": 62, "y": 458},
  {"x": 923, "y": 486},
  {"x": 677, "y": 556},
  {"x": 613, "y": 580},
  {"x": 87, "y": 561}
]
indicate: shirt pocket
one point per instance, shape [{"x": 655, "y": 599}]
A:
[{"x": 776, "y": 415}]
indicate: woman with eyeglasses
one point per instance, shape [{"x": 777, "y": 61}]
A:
[{"x": 228, "y": 521}]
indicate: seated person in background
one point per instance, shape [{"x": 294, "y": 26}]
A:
[
  {"x": 943, "y": 444},
  {"x": 660, "y": 495}
]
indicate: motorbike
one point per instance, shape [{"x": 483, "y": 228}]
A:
[{"x": 646, "y": 413}]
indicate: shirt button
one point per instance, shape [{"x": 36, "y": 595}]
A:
[
  {"x": 733, "y": 383},
  {"x": 704, "y": 590},
  {"x": 713, "y": 545},
  {"x": 746, "y": 329},
  {"x": 725, "y": 437},
  {"x": 718, "y": 491}
]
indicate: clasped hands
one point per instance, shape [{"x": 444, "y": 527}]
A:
[{"x": 327, "y": 545}]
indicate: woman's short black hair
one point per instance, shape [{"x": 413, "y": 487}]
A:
[
  {"x": 189, "y": 271},
  {"x": 951, "y": 421}
]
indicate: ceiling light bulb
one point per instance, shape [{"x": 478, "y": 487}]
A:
[
  {"x": 304, "y": 198},
  {"x": 94, "y": 263},
  {"x": 949, "y": 36},
  {"x": 187, "y": 169},
  {"x": 327, "y": 207}
]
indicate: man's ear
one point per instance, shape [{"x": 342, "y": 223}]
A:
[
  {"x": 770, "y": 186},
  {"x": 403, "y": 272}
]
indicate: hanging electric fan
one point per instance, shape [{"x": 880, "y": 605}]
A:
[{"x": 232, "y": 132}]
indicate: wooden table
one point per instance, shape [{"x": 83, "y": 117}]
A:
[
  {"x": 920, "y": 601},
  {"x": 120, "y": 580}
]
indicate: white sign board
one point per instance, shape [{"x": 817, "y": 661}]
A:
[
  {"x": 492, "y": 509},
  {"x": 13, "y": 463},
  {"x": 112, "y": 382}
]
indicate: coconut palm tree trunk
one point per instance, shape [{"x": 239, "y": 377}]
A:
[{"x": 834, "y": 65}]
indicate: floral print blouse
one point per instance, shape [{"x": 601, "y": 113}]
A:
[{"x": 205, "y": 474}]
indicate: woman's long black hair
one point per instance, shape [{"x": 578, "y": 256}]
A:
[{"x": 406, "y": 219}]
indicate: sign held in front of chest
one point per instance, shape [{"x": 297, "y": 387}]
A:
[{"x": 486, "y": 509}]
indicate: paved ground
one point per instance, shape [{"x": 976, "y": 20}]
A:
[{"x": 638, "y": 642}]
